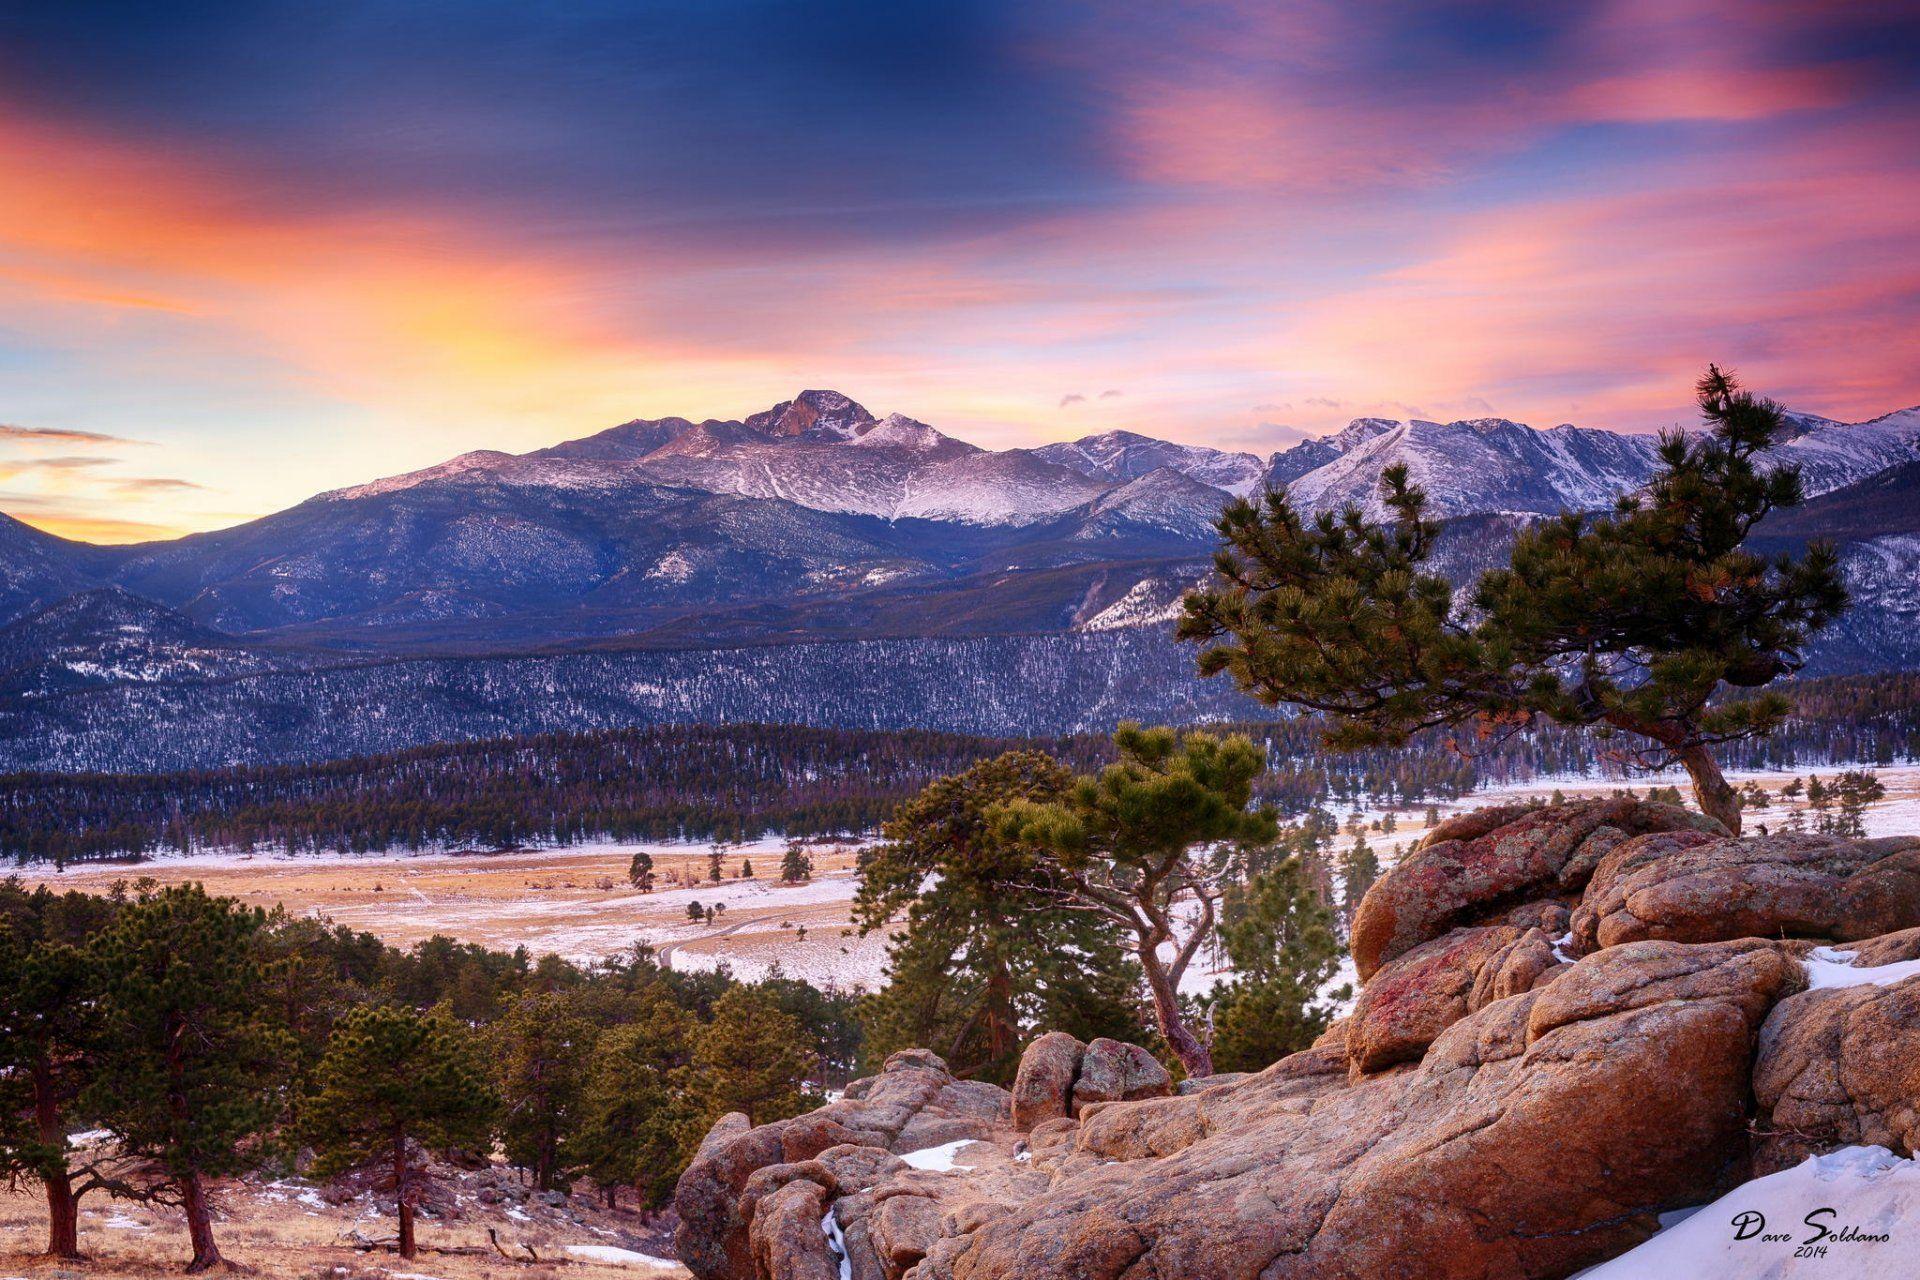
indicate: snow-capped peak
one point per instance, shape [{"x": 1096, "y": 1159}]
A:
[
  {"x": 816, "y": 414},
  {"x": 898, "y": 431}
]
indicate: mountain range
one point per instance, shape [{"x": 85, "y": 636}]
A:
[{"x": 817, "y": 523}]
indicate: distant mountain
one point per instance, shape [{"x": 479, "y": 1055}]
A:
[
  {"x": 106, "y": 637},
  {"x": 1832, "y": 455},
  {"x": 1123, "y": 455},
  {"x": 37, "y": 568},
  {"x": 1310, "y": 455},
  {"x": 814, "y": 524}
]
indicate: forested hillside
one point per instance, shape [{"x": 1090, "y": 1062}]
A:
[{"x": 739, "y": 781}]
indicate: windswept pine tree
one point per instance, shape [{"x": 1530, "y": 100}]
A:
[
  {"x": 393, "y": 1077},
  {"x": 1633, "y": 621},
  {"x": 1138, "y": 841}
]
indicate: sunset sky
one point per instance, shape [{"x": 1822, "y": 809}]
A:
[{"x": 249, "y": 251}]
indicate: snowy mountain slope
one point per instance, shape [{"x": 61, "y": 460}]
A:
[
  {"x": 1125, "y": 455},
  {"x": 1484, "y": 465},
  {"x": 37, "y": 568},
  {"x": 1309, "y": 455},
  {"x": 1162, "y": 499},
  {"x": 106, "y": 637},
  {"x": 1832, "y": 455}
]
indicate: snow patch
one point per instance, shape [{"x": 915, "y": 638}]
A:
[
  {"x": 623, "y": 1257},
  {"x": 1868, "y": 1189},
  {"x": 830, "y": 1228},
  {"x": 1829, "y": 968},
  {"x": 940, "y": 1158}
]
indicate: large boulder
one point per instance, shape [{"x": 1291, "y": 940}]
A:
[
  {"x": 1043, "y": 1084},
  {"x": 1839, "y": 1066},
  {"x": 1415, "y": 997},
  {"x": 1786, "y": 885},
  {"x": 1539, "y": 1135},
  {"x": 1115, "y": 1071},
  {"x": 912, "y": 1104},
  {"x": 1470, "y": 872}
]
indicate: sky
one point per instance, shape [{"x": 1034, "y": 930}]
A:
[{"x": 250, "y": 250}]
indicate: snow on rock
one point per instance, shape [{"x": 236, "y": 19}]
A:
[
  {"x": 1852, "y": 1213},
  {"x": 1827, "y": 967},
  {"x": 940, "y": 1158},
  {"x": 830, "y": 1228}
]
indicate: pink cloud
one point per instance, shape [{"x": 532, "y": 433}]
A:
[{"x": 1795, "y": 263}]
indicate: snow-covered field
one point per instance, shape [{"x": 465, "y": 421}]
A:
[{"x": 576, "y": 901}]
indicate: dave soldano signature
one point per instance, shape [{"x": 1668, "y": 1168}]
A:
[{"x": 1822, "y": 1229}]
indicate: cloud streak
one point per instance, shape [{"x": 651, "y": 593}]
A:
[{"x": 14, "y": 433}]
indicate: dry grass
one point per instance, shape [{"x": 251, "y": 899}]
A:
[
  {"x": 275, "y": 1231},
  {"x": 572, "y": 902}
]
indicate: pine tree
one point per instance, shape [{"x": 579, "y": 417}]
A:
[
  {"x": 635, "y": 1110},
  {"x": 48, "y": 1027},
  {"x": 391, "y": 1077},
  {"x": 640, "y": 871},
  {"x": 1631, "y": 621},
  {"x": 1853, "y": 791},
  {"x": 715, "y": 872},
  {"x": 1820, "y": 800},
  {"x": 1129, "y": 844},
  {"x": 751, "y": 1058},
  {"x": 190, "y": 1065},
  {"x": 1283, "y": 949},
  {"x": 542, "y": 1050},
  {"x": 987, "y": 953},
  {"x": 1358, "y": 870},
  {"x": 746, "y": 868},
  {"x": 795, "y": 865}
]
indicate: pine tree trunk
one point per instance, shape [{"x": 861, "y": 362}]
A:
[
  {"x": 63, "y": 1219},
  {"x": 63, "y": 1207},
  {"x": 193, "y": 1198},
  {"x": 1173, "y": 1027},
  {"x": 403, "y": 1194},
  {"x": 1711, "y": 790}
]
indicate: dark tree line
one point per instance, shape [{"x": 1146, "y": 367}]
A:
[{"x": 741, "y": 781}]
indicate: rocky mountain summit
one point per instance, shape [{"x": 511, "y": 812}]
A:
[{"x": 1574, "y": 1020}]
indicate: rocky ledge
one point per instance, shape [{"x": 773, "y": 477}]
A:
[{"x": 1574, "y": 1019}]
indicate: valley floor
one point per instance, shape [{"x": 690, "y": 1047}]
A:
[{"x": 576, "y": 902}]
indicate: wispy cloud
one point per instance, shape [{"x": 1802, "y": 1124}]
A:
[
  {"x": 60, "y": 435},
  {"x": 157, "y": 484},
  {"x": 1072, "y": 398}
]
